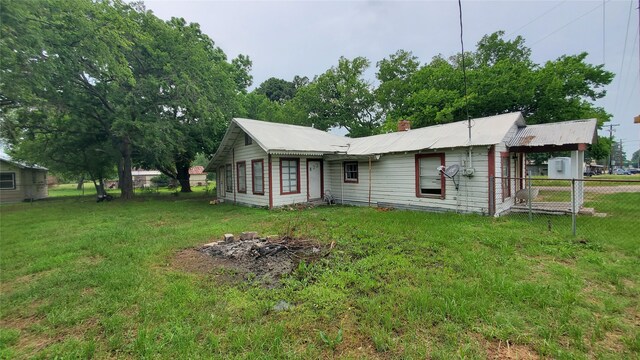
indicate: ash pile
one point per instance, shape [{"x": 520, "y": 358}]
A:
[{"x": 265, "y": 259}]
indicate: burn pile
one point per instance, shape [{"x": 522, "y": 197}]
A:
[{"x": 265, "y": 258}]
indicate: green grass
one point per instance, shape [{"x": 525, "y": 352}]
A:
[
  {"x": 82, "y": 280},
  {"x": 608, "y": 180},
  {"x": 67, "y": 190}
]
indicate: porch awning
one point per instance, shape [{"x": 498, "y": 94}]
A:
[{"x": 564, "y": 136}]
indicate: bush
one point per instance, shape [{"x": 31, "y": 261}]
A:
[{"x": 161, "y": 180}]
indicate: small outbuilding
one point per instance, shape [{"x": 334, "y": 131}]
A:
[
  {"x": 20, "y": 181},
  {"x": 197, "y": 176}
]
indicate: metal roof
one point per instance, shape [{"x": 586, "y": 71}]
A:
[
  {"x": 561, "y": 133},
  {"x": 484, "y": 131},
  {"x": 285, "y": 139},
  {"x": 273, "y": 137},
  {"x": 20, "y": 164}
]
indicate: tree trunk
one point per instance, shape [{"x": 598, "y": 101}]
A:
[
  {"x": 80, "y": 183},
  {"x": 182, "y": 169},
  {"x": 99, "y": 187},
  {"x": 125, "y": 180}
]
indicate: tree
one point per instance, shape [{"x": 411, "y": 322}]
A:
[
  {"x": 501, "y": 78},
  {"x": 635, "y": 159},
  {"x": 189, "y": 90},
  {"x": 277, "y": 90},
  {"x": 598, "y": 150},
  {"x": 69, "y": 56},
  {"x": 394, "y": 75},
  {"x": 160, "y": 92},
  {"x": 341, "y": 97}
]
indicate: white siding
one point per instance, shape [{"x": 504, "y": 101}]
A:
[
  {"x": 280, "y": 199},
  {"x": 393, "y": 182},
  {"x": 503, "y": 205},
  {"x": 245, "y": 153},
  {"x": 29, "y": 183}
]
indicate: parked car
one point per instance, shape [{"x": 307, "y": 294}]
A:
[
  {"x": 621, "y": 172},
  {"x": 589, "y": 173},
  {"x": 634, "y": 171}
]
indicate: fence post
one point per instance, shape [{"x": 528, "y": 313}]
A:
[
  {"x": 529, "y": 197},
  {"x": 573, "y": 207}
]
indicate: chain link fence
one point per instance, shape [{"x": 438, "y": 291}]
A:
[{"x": 593, "y": 207}]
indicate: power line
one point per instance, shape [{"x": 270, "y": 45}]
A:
[
  {"x": 624, "y": 53},
  {"x": 464, "y": 70},
  {"x": 571, "y": 22},
  {"x": 536, "y": 19},
  {"x": 603, "y": 32}
]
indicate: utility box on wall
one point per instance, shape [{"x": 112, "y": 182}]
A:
[{"x": 559, "y": 168}]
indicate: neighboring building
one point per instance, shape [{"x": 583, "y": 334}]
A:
[
  {"x": 269, "y": 164},
  {"x": 142, "y": 178},
  {"x": 19, "y": 181},
  {"x": 197, "y": 176}
]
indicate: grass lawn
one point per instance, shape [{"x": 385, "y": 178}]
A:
[
  {"x": 80, "y": 279},
  {"x": 596, "y": 180}
]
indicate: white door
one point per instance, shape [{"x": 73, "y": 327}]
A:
[{"x": 314, "y": 169}]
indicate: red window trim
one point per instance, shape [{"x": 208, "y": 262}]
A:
[
  {"x": 505, "y": 194},
  {"x": 253, "y": 184},
  {"x": 238, "y": 176},
  {"x": 442, "y": 179},
  {"x": 297, "y": 160},
  {"x": 344, "y": 170}
]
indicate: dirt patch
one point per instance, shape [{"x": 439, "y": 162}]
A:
[
  {"x": 91, "y": 260},
  {"x": 506, "y": 350},
  {"x": 263, "y": 259}
]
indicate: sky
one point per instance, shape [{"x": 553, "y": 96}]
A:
[{"x": 305, "y": 38}]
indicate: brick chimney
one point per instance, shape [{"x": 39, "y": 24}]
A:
[{"x": 404, "y": 125}]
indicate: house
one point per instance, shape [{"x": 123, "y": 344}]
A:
[
  {"x": 197, "y": 176},
  {"x": 142, "y": 178},
  {"x": 20, "y": 181},
  {"x": 270, "y": 165}
]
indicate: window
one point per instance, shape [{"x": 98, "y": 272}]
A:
[
  {"x": 429, "y": 180},
  {"x": 228, "y": 178},
  {"x": 257, "y": 173},
  {"x": 505, "y": 174},
  {"x": 247, "y": 139},
  {"x": 351, "y": 171},
  {"x": 241, "y": 174},
  {"x": 289, "y": 176},
  {"x": 8, "y": 181}
]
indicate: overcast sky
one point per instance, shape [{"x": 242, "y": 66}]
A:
[{"x": 287, "y": 38}]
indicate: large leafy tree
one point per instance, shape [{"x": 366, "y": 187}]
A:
[
  {"x": 159, "y": 92},
  {"x": 341, "y": 97},
  {"x": 69, "y": 56},
  {"x": 189, "y": 93},
  {"x": 501, "y": 77}
]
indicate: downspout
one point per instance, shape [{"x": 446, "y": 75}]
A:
[
  {"x": 233, "y": 169},
  {"x": 270, "y": 184}
]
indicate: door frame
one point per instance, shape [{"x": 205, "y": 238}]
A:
[{"x": 321, "y": 179}]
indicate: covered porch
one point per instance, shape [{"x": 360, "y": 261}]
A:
[{"x": 563, "y": 190}]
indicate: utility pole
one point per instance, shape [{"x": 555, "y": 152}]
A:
[{"x": 611, "y": 126}]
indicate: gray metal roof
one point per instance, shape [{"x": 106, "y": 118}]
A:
[
  {"x": 484, "y": 131},
  {"x": 285, "y": 138},
  {"x": 20, "y": 164},
  {"x": 561, "y": 133}
]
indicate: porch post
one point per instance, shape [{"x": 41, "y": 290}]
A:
[{"x": 577, "y": 172}]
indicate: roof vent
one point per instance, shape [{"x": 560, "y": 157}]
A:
[{"x": 404, "y": 125}]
